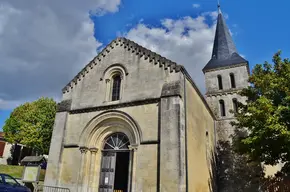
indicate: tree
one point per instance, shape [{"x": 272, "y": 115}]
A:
[
  {"x": 263, "y": 122},
  {"x": 236, "y": 172},
  {"x": 31, "y": 124}
]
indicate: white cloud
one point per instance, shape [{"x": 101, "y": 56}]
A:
[
  {"x": 187, "y": 41},
  {"x": 43, "y": 44},
  {"x": 195, "y": 5},
  {"x": 9, "y": 104}
]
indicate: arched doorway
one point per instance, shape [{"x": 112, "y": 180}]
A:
[{"x": 114, "y": 173}]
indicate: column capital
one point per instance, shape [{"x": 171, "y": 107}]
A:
[
  {"x": 93, "y": 150},
  {"x": 133, "y": 147},
  {"x": 83, "y": 149},
  {"x": 107, "y": 80}
]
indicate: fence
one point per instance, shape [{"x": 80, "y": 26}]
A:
[{"x": 43, "y": 188}]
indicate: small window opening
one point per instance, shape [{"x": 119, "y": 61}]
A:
[
  {"x": 233, "y": 82},
  {"x": 116, "y": 88},
  {"x": 235, "y": 105},
  {"x": 220, "y": 82},
  {"x": 222, "y": 108}
]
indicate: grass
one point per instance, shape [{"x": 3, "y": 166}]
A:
[{"x": 16, "y": 171}]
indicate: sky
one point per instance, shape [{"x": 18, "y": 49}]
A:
[{"x": 44, "y": 44}]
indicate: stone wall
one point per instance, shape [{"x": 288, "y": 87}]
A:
[
  {"x": 152, "y": 96},
  {"x": 241, "y": 78},
  {"x": 69, "y": 158},
  {"x": 200, "y": 143},
  {"x": 224, "y": 128},
  {"x": 143, "y": 79}
]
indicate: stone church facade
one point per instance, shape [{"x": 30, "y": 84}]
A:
[{"x": 135, "y": 121}]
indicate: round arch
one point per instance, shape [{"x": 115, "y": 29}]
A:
[
  {"x": 107, "y": 123},
  {"x": 113, "y": 69}
]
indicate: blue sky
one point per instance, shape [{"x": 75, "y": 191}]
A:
[{"x": 259, "y": 29}]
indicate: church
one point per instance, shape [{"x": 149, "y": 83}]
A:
[{"x": 134, "y": 121}]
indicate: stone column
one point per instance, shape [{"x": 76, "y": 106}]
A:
[
  {"x": 108, "y": 90},
  {"x": 132, "y": 169},
  {"x": 81, "y": 169},
  {"x": 86, "y": 172},
  {"x": 92, "y": 172}
]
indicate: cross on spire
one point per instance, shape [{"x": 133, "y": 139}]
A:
[{"x": 219, "y": 6}]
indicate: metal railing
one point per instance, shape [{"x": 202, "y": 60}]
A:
[{"x": 44, "y": 188}]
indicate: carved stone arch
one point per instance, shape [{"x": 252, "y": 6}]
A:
[
  {"x": 107, "y": 123},
  {"x": 109, "y": 76},
  {"x": 113, "y": 69}
]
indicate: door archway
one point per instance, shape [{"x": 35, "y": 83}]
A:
[{"x": 115, "y": 161}]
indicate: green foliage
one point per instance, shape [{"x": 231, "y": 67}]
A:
[
  {"x": 263, "y": 122},
  {"x": 31, "y": 124},
  {"x": 237, "y": 172}
]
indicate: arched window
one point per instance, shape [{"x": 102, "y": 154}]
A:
[
  {"x": 116, "y": 87},
  {"x": 233, "y": 82},
  {"x": 220, "y": 82},
  {"x": 114, "y": 78},
  {"x": 235, "y": 105},
  {"x": 222, "y": 108},
  {"x": 117, "y": 141}
]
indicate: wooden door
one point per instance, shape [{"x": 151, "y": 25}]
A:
[{"x": 107, "y": 175}]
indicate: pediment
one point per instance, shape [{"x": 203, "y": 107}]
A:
[{"x": 128, "y": 45}]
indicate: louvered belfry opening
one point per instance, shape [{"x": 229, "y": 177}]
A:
[{"x": 115, "y": 164}]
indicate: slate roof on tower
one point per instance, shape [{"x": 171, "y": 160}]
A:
[{"x": 224, "y": 51}]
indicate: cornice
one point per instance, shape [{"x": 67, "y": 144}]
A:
[
  {"x": 226, "y": 118},
  {"x": 223, "y": 92},
  {"x": 73, "y": 145},
  {"x": 229, "y": 67},
  {"x": 153, "y": 58},
  {"x": 150, "y": 142},
  {"x": 63, "y": 106},
  {"x": 115, "y": 106}
]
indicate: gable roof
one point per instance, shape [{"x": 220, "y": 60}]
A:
[
  {"x": 153, "y": 58},
  {"x": 224, "y": 51},
  {"x": 130, "y": 46}
]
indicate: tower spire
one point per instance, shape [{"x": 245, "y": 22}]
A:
[
  {"x": 224, "y": 51},
  {"x": 219, "y": 6}
]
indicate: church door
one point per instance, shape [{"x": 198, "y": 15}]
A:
[{"x": 114, "y": 175}]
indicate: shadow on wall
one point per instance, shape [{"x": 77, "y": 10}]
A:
[
  {"x": 235, "y": 172},
  {"x": 212, "y": 183}
]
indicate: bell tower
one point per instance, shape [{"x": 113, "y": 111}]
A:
[{"x": 226, "y": 73}]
